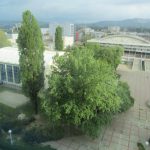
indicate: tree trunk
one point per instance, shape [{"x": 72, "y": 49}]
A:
[
  {"x": 36, "y": 106},
  {"x": 35, "y": 103}
]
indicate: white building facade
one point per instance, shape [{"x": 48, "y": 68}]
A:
[
  {"x": 9, "y": 65},
  {"x": 67, "y": 28}
]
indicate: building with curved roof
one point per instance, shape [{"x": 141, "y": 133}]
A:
[
  {"x": 124, "y": 39},
  {"x": 131, "y": 44}
]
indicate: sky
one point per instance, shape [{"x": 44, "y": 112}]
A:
[{"x": 75, "y": 10}]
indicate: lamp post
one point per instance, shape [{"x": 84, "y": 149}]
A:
[{"x": 10, "y": 136}]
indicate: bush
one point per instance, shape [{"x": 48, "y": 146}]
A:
[
  {"x": 16, "y": 125},
  {"x": 42, "y": 134},
  {"x": 124, "y": 93},
  {"x": 28, "y": 120},
  {"x": 94, "y": 126},
  {"x": 0, "y": 132},
  {"x": 5, "y": 145},
  {"x": 8, "y": 124}
]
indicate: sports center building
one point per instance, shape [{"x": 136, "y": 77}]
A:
[
  {"x": 9, "y": 65},
  {"x": 136, "y": 49}
]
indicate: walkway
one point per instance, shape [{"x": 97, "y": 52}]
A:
[{"x": 126, "y": 129}]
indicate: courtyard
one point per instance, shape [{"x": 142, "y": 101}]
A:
[{"x": 127, "y": 128}]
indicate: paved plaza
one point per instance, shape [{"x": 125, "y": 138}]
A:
[{"x": 127, "y": 128}]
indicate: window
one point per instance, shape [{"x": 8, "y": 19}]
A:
[
  {"x": 16, "y": 74},
  {"x": 2, "y": 72},
  {"x": 9, "y": 73}
]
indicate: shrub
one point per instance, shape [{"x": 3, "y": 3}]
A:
[
  {"x": 0, "y": 132},
  {"x": 42, "y": 134},
  {"x": 124, "y": 93},
  {"x": 8, "y": 124},
  {"x": 94, "y": 126},
  {"x": 28, "y": 120},
  {"x": 5, "y": 145},
  {"x": 16, "y": 125}
]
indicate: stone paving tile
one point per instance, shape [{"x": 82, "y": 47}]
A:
[
  {"x": 84, "y": 147},
  {"x": 74, "y": 145},
  {"x": 55, "y": 145},
  {"x": 124, "y": 142},
  {"x": 133, "y": 145},
  {"x": 126, "y": 129},
  {"x": 125, "y": 137}
]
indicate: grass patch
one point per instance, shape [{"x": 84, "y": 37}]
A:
[{"x": 13, "y": 112}]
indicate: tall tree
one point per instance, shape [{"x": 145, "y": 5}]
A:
[
  {"x": 58, "y": 39},
  {"x": 3, "y": 39},
  {"x": 31, "y": 57}
]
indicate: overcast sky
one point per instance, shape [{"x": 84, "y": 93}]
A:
[{"x": 76, "y": 10}]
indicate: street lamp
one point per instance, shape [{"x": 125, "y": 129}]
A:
[
  {"x": 147, "y": 142},
  {"x": 10, "y": 136}
]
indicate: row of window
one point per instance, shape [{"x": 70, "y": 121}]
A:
[{"x": 9, "y": 73}]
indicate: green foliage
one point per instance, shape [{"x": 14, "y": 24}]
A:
[
  {"x": 140, "y": 146},
  {"x": 58, "y": 39},
  {"x": 3, "y": 40},
  {"x": 124, "y": 93},
  {"x": 84, "y": 89},
  {"x": 16, "y": 125},
  {"x": 94, "y": 126},
  {"x": 110, "y": 54},
  {"x": 5, "y": 145},
  {"x": 81, "y": 89},
  {"x": 31, "y": 57},
  {"x": 7, "y": 112},
  {"x": 42, "y": 134},
  {"x": 86, "y": 37}
]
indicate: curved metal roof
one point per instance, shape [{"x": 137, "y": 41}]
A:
[
  {"x": 125, "y": 39},
  {"x": 122, "y": 40}
]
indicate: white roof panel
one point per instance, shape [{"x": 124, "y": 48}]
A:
[{"x": 11, "y": 55}]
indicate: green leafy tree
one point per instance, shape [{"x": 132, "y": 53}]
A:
[
  {"x": 58, "y": 39},
  {"x": 124, "y": 93},
  {"x": 3, "y": 39},
  {"x": 31, "y": 57},
  {"x": 81, "y": 91},
  {"x": 85, "y": 37},
  {"x": 110, "y": 54}
]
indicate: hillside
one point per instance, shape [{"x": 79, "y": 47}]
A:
[{"x": 128, "y": 23}]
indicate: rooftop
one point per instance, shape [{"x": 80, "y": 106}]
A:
[
  {"x": 122, "y": 40},
  {"x": 11, "y": 55}
]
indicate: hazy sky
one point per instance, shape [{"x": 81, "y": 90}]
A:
[{"x": 76, "y": 10}]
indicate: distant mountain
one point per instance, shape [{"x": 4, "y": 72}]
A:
[
  {"x": 128, "y": 23},
  {"x": 9, "y": 24}
]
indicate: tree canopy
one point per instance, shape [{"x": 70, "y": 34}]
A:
[
  {"x": 31, "y": 57},
  {"x": 3, "y": 39},
  {"x": 110, "y": 54},
  {"x": 58, "y": 39},
  {"x": 83, "y": 90}
]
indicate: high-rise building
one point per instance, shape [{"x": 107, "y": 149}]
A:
[{"x": 67, "y": 28}]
